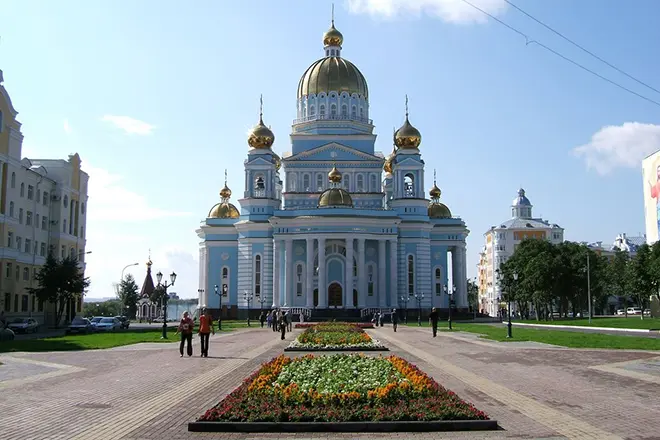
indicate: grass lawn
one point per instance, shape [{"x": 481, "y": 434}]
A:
[
  {"x": 554, "y": 337},
  {"x": 102, "y": 340},
  {"x": 630, "y": 322}
]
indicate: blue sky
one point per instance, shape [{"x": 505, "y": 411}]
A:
[{"x": 157, "y": 97}]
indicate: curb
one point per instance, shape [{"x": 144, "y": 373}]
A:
[
  {"x": 584, "y": 327},
  {"x": 337, "y": 349}
]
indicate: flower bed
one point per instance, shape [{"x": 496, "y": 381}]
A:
[
  {"x": 312, "y": 324},
  {"x": 334, "y": 336},
  {"x": 339, "y": 388}
]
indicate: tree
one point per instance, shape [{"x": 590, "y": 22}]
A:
[
  {"x": 128, "y": 295},
  {"x": 641, "y": 279},
  {"x": 60, "y": 283},
  {"x": 473, "y": 294},
  {"x": 617, "y": 277},
  {"x": 110, "y": 307}
]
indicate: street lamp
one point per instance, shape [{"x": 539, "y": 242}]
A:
[
  {"x": 476, "y": 298},
  {"x": 404, "y": 300},
  {"x": 126, "y": 267},
  {"x": 450, "y": 292},
  {"x": 248, "y": 299},
  {"x": 508, "y": 326},
  {"x": 159, "y": 278},
  {"x": 419, "y": 297},
  {"x": 216, "y": 289},
  {"x": 588, "y": 286},
  {"x": 262, "y": 301}
]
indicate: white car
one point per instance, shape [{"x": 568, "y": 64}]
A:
[
  {"x": 634, "y": 311},
  {"x": 621, "y": 312},
  {"x": 108, "y": 325}
]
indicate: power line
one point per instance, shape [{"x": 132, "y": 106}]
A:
[
  {"x": 556, "y": 32},
  {"x": 529, "y": 41}
]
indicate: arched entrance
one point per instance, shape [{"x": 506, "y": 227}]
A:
[{"x": 334, "y": 295}]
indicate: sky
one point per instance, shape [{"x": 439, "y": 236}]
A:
[{"x": 157, "y": 97}]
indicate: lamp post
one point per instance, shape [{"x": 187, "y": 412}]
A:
[
  {"x": 262, "y": 301},
  {"x": 476, "y": 299},
  {"x": 508, "y": 307},
  {"x": 450, "y": 292},
  {"x": 404, "y": 300},
  {"x": 159, "y": 278},
  {"x": 588, "y": 286},
  {"x": 419, "y": 297},
  {"x": 126, "y": 267},
  {"x": 248, "y": 299},
  {"x": 216, "y": 289}
]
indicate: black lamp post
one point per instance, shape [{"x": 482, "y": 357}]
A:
[
  {"x": 508, "y": 325},
  {"x": 262, "y": 301},
  {"x": 159, "y": 278},
  {"x": 419, "y": 297},
  {"x": 404, "y": 300},
  {"x": 216, "y": 289},
  {"x": 450, "y": 292},
  {"x": 248, "y": 299}
]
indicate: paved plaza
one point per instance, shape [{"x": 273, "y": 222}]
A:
[{"x": 147, "y": 391}]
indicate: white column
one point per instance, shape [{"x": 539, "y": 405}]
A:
[
  {"x": 276, "y": 273},
  {"x": 309, "y": 273},
  {"x": 362, "y": 276},
  {"x": 323, "y": 290},
  {"x": 394, "y": 269},
  {"x": 348, "y": 279},
  {"x": 289, "y": 277},
  {"x": 461, "y": 281},
  {"x": 382, "y": 270}
]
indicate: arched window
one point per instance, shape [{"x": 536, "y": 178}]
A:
[
  {"x": 299, "y": 280},
  {"x": 257, "y": 276},
  {"x": 312, "y": 110},
  {"x": 346, "y": 178},
  {"x": 360, "y": 183},
  {"x": 11, "y": 209},
  {"x": 319, "y": 182},
  {"x": 292, "y": 182},
  {"x": 22, "y": 189},
  {"x": 26, "y": 274},
  {"x": 373, "y": 186},
  {"x": 322, "y": 111},
  {"x": 409, "y": 185},
  {"x": 13, "y": 180},
  {"x": 225, "y": 281},
  {"x": 355, "y": 268},
  {"x": 353, "y": 112},
  {"x": 333, "y": 111},
  {"x": 361, "y": 111},
  {"x": 370, "y": 280},
  {"x": 438, "y": 281},
  {"x": 411, "y": 275},
  {"x": 259, "y": 183},
  {"x": 18, "y": 272},
  {"x": 306, "y": 183},
  {"x": 344, "y": 111}
]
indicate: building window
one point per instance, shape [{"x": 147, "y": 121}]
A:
[
  {"x": 13, "y": 180},
  {"x": 373, "y": 186},
  {"x": 28, "y": 218},
  {"x": 19, "y": 243},
  {"x": 28, "y": 245},
  {"x": 66, "y": 201},
  {"x": 20, "y": 215},
  {"x": 322, "y": 110},
  {"x": 409, "y": 185},
  {"x": 333, "y": 111},
  {"x": 11, "y": 209},
  {"x": 42, "y": 249},
  {"x": 10, "y": 239},
  {"x": 312, "y": 110},
  {"x": 225, "y": 281},
  {"x": 7, "y": 307},
  {"x": 306, "y": 182},
  {"x": 8, "y": 270},
  {"x": 24, "y": 303},
  {"x": 64, "y": 226},
  {"x": 22, "y": 189},
  {"x": 299, "y": 280},
  {"x": 30, "y": 192},
  {"x": 44, "y": 222},
  {"x": 36, "y": 222},
  {"x": 82, "y": 208},
  {"x": 411, "y": 275},
  {"x": 370, "y": 280},
  {"x": 344, "y": 111},
  {"x": 257, "y": 276},
  {"x": 72, "y": 252},
  {"x": 45, "y": 198},
  {"x": 353, "y": 112},
  {"x": 438, "y": 281},
  {"x": 16, "y": 303},
  {"x": 360, "y": 183},
  {"x": 319, "y": 182},
  {"x": 346, "y": 178},
  {"x": 26, "y": 274},
  {"x": 18, "y": 273}
]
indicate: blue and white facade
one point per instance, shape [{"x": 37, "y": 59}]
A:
[{"x": 288, "y": 248}]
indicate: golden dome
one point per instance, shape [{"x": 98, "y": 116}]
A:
[
  {"x": 439, "y": 210},
  {"x": 260, "y": 136},
  {"x": 407, "y": 136},
  {"x": 332, "y": 37},
  {"x": 277, "y": 161},
  {"x": 388, "y": 166},
  {"x": 435, "y": 192},
  {"x": 332, "y": 74},
  {"x": 224, "y": 210},
  {"x": 225, "y": 192},
  {"x": 335, "y": 197},
  {"x": 334, "y": 175}
]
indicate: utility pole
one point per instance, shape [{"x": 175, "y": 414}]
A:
[{"x": 588, "y": 286}]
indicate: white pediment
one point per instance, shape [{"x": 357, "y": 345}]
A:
[
  {"x": 409, "y": 161},
  {"x": 260, "y": 161},
  {"x": 325, "y": 153}
]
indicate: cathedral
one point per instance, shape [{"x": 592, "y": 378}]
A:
[{"x": 332, "y": 228}]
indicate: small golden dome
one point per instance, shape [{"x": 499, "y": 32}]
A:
[
  {"x": 439, "y": 210},
  {"x": 261, "y": 137},
  {"x": 407, "y": 136},
  {"x": 334, "y": 175},
  {"x": 149, "y": 263},
  {"x": 388, "y": 166},
  {"x": 225, "y": 192},
  {"x": 332, "y": 37},
  {"x": 277, "y": 161},
  {"x": 224, "y": 210},
  {"x": 335, "y": 197},
  {"x": 435, "y": 192}
]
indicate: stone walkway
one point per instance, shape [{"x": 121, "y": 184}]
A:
[{"x": 147, "y": 391}]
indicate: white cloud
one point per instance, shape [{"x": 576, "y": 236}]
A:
[
  {"x": 453, "y": 11},
  {"x": 67, "y": 127},
  {"x": 129, "y": 125},
  {"x": 617, "y": 146},
  {"x": 110, "y": 201}
]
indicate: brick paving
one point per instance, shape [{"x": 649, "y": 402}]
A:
[{"x": 147, "y": 391}]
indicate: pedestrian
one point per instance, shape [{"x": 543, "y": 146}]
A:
[
  {"x": 289, "y": 320},
  {"x": 433, "y": 319},
  {"x": 395, "y": 319},
  {"x": 269, "y": 319},
  {"x": 282, "y": 324},
  {"x": 205, "y": 328},
  {"x": 262, "y": 319},
  {"x": 380, "y": 318},
  {"x": 276, "y": 317},
  {"x": 186, "y": 329}
]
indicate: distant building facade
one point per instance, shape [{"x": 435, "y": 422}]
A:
[
  {"x": 43, "y": 209},
  {"x": 501, "y": 242}
]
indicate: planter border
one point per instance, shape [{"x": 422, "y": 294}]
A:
[
  {"x": 388, "y": 426},
  {"x": 303, "y": 349}
]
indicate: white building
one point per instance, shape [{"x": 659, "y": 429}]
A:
[{"x": 501, "y": 243}]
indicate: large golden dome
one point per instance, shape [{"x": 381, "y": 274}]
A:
[
  {"x": 407, "y": 137},
  {"x": 439, "y": 210},
  {"x": 332, "y": 74},
  {"x": 224, "y": 210},
  {"x": 332, "y": 37}
]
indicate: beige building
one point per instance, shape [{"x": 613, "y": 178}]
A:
[
  {"x": 501, "y": 243},
  {"x": 43, "y": 205}
]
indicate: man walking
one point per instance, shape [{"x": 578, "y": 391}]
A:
[
  {"x": 282, "y": 322},
  {"x": 395, "y": 319},
  {"x": 205, "y": 328},
  {"x": 433, "y": 319}
]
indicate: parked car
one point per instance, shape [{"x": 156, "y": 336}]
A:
[
  {"x": 95, "y": 320},
  {"x": 24, "y": 325},
  {"x": 6, "y": 334},
  {"x": 108, "y": 325},
  {"x": 620, "y": 312},
  {"x": 634, "y": 311},
  {"x": 80, "y": 325},
  {"x": 125, "y": 322}
]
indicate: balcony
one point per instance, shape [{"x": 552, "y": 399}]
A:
[{"x": 350, "y": 118}]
